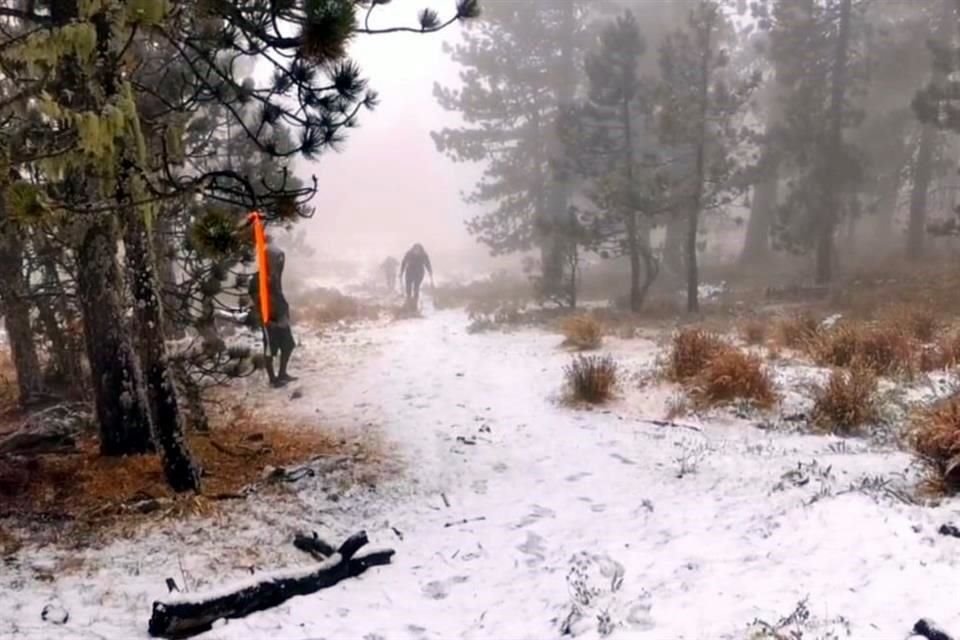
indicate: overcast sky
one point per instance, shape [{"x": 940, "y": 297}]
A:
[{"x": 389, "y": 187}]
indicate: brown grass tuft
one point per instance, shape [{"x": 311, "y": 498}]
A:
[
  {"x": 591, "y": 379},
  {"x": 582, "y": 332},
  {"x": 798, "y": 330},
  {"x": 329, "y": 306},
  {"x": 754, "y": 330},
  {"x": 935, "y": 437},
  {"x": 942, "y": 354},
  {"x": 920, "y": 322},
  {"x": 847, "y": 402},
  {"x": 882, "y": 349},
  {"x": 731, "y": 375},
  {"x": 690, "y": 352}
]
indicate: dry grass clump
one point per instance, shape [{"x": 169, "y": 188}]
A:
[
  {"x": 731, "y": 375},
  {"x": 797, "y": 331},
  {"x": 882, "y": 349},
  {"x": 919, "y": 321},
  {"x": 233, "y": 454},
  {"x": 690, "y": 351},
  {"x": 942, "y": 354},
  {"x": 591, "y": 379},
  {"x": 582, "y": 332},
  {"x": 847, "y": 402},
  {"x": 935, "y": 437},
  {"x": 754, "y": 331},
  {"x": 329, "y": 306}
]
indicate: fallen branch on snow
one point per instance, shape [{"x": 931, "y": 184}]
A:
[
  {"x": 189, "y": 615},
  {"x": 930, "y": 631}
]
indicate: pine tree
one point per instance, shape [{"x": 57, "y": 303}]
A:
[
  {"x": 609, "y": 142},
  {"x": 701, "y": 108},
  {"x": 520, "y": 67}
]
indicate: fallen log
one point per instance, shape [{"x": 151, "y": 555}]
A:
[{"x": 188, "y": 615}]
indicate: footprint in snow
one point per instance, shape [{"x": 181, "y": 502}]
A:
[
  {"x": 533, "y": 547},
  {"x": 622, "y": 458},
  {"x": 578, "y": 476},
  {"x": 440, "y": 589},
  {"x": 538, "y": 513}
]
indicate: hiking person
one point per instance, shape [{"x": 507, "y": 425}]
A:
[
  {"x": 278, "y": 334},
  {"x": 415, "y": 261},
  {"x": 389, "y": 268}
]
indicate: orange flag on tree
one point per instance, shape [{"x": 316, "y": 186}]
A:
[{"x": 260, "y": 243}]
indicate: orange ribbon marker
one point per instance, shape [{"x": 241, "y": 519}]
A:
[{"x": 260, "y": 242}]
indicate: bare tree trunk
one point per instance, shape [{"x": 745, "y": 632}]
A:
[
  {"x": 700, "y": 171},
  {"x": 181, "y": 473},
  {"x": 15, "y": 305},
  {"x": 121, "y": 404},
  {"x": 828, "y": 215}
]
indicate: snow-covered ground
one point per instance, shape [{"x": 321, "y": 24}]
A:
[{"x": 511, "y": 511}]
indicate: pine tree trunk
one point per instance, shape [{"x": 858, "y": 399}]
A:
[
  {"x": 166, "y": 275},
  {"x": 121, "y": 403},
  {"x": 168, "y": 419},
  {"x": 756, "y": 246},
  {"x": 15, "y": 306},
  {"x": 633, "y": 245},
  {"x": 700, "y": 172},
  {"x": 828, "y": 214}
]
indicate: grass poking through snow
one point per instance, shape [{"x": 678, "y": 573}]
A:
[
  {"x": 582, "y": 332},
  {"x": 591, "y": 379},
  {"x": 935, "y": 437},
  {"x": 846, "y": 402}
]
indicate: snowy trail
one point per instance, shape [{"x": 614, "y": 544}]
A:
[
  {"x": 707, "y": 553},
  {"x": 702, "y": 555}
]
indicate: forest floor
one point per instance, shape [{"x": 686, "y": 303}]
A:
[{"x": 515, "y": 515}]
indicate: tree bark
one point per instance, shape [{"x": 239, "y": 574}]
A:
[
  {"x": 166, "y": 275},
  {"x": 828, "y": 214},
  {"x": 700, "y": 170},
  {"x": 15, "y": 306},
  {"x": 121, "y": 404},
  {"x": 168, "y": 419}
]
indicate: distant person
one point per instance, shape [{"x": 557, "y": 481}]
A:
[
  {"x": 415, "y": 262},
  {"x": 278, "y": 333},
  {"x": 389, "y": 268}
]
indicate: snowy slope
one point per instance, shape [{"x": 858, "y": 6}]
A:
[{"x": 678, "y": 532}]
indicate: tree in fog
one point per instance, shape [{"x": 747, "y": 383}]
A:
[
  {"x": 818, "y": 51},
  {"x": 700, "y": 111},
  {"x": 610, "y": 143},
  {"x": 520, "y": 66}
]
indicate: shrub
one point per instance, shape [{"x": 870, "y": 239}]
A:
[
  {"x": 591, "y": 378},
  {"x": 582, "y": 332},
  {"x": 943, "y": 354},
  {"x": 798, "y": 330},
  {"x": 847, "y": 402},
  {"x": 883, "y": 350},
  {"x": 731, "y": 375},
  {"x": 935, "y": 437},
  {"x": 754, "y": 331},
  {"x": 690, "y": 352},
  {"x": 918, "y": 321}
]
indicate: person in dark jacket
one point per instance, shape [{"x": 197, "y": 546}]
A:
[
  {"x": 412, "y": 268},
  {"x": 278, "y": 333}
]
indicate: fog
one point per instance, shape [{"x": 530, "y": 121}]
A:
[{"x": 388, "y": 187}]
